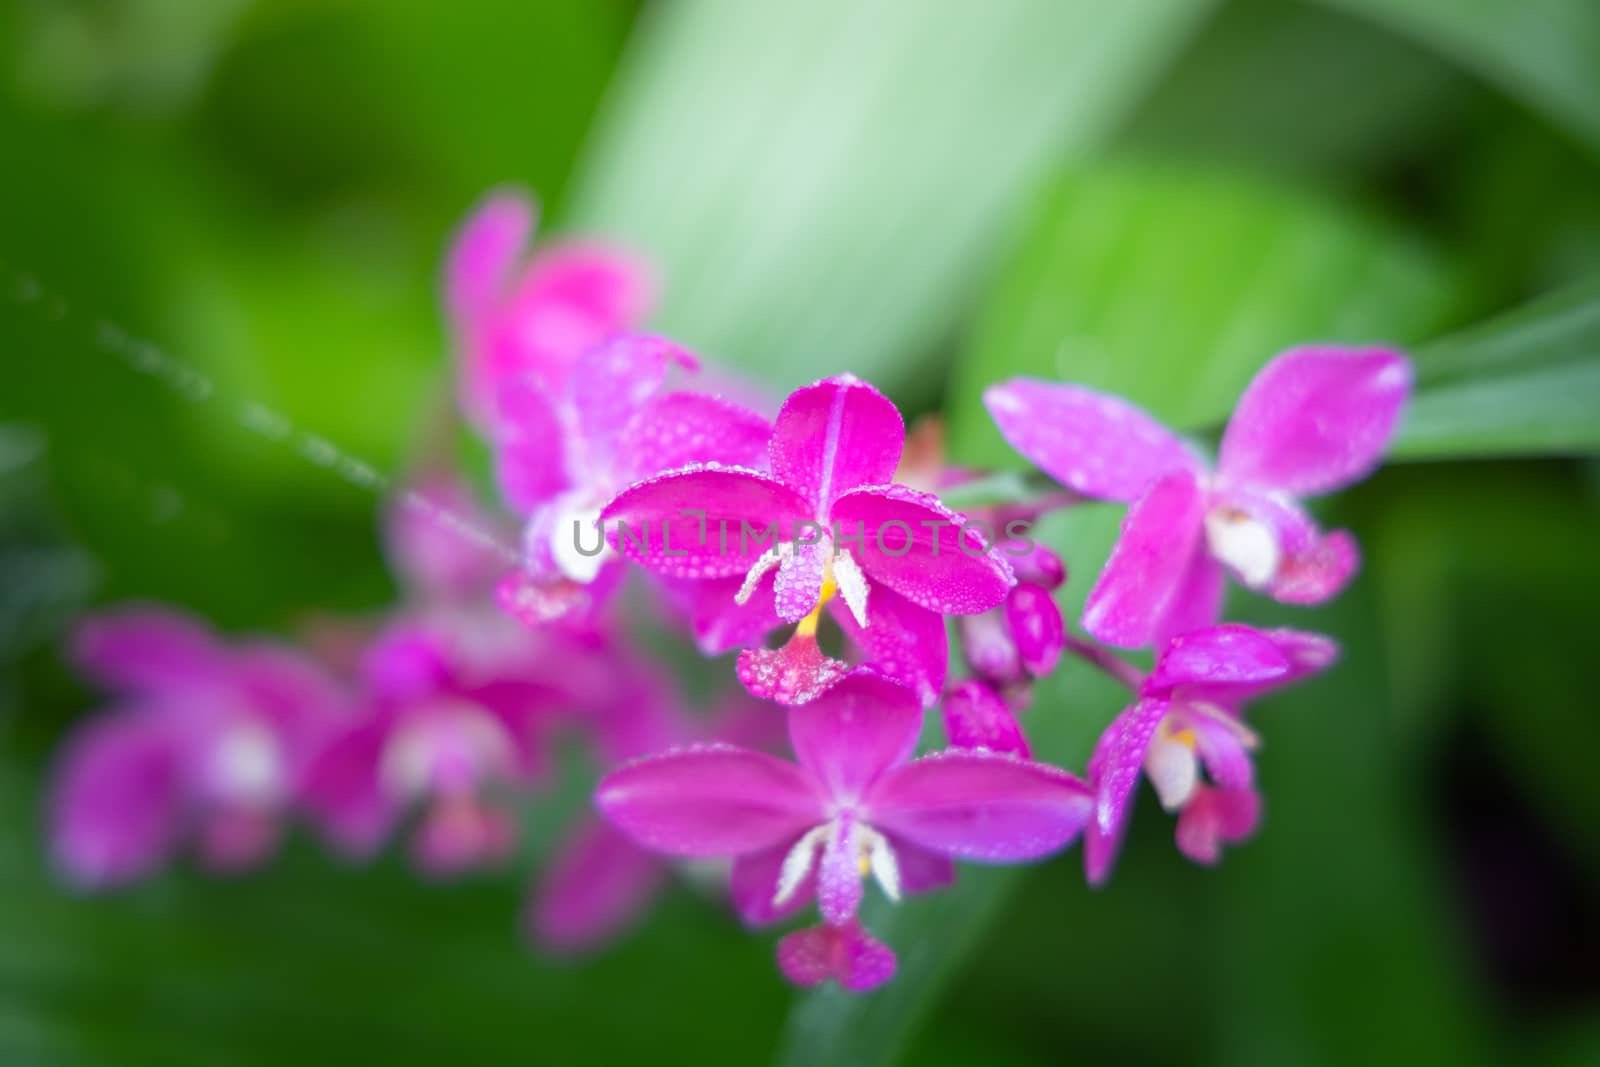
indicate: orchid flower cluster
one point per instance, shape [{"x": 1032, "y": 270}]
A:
[{"x": 815, "y": 546}]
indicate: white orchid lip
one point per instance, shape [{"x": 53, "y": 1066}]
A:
[
  {"x": 1244, "y": 544},
  {"x": 465, "y": 733},
  {"x": 248, "y": 765}
]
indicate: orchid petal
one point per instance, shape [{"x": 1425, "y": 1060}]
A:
[
  {"x": 1196, "y": 601},
  {"x": 428, "y": 552},
  {"x": 680, "y": 428},
  {"x": 1229, "y": 654},
  {"x": 796, "y": 673},
  {"x": 921, "y": 549},
  {"x": 717, "y": 620},
  {"x": 981, "y": 806},
  {"x": 854, "y": 732},
  {"x": 921, "y": 871},
  {"x": 834, "y": 436},
  {"x": 344, "y": 791},
  {"x": 1148, "y": 564},
  {"x": 702, "y": 522},
  {"x": 459, "y": 833},
  {"x": 147, "y": 650},
  {"x": 1220, "y": 744},
  {"x": 116, "y": 801},
  {"x": 905, "y": 643},
  {"x": 1114, "y": 771},
  {"x": 1096, "y": 444},
  {"x": 485, "y": 251},
  {"x": 754, "y": 885},
  {"x": 976, "y": 717},
  {"x": 709, "y": 800},
  {"x": 1315, "y": 419},
  {"x": 611, "y": 387},
  {"x": 847, "y": 954},
  {"x": 529, "y": 454},
  {"x": 597, "y": 885},
  {"x": 1319, "y": 573},
  {"x": 1214, "y": 817}
]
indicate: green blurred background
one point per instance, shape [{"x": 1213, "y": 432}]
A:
[{"x": 1150, "y": 196}]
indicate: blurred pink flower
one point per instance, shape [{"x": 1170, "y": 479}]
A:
[
  {"x": 452, "y": 717},
  {"x": 832, "y": 454},
  {"x": 520, "y": 320},
  {"x": 1188, "y": 718},
  {"x": 1312, "y": 420},
  {"x": 208, "y": 741},
  {"x": 562, "y": 454},
  {"x": 856, "y": 803}
]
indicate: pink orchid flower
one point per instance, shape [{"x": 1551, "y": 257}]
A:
[
  {"x": 827, "y": 520},
  {"x": 561, "y": 455},
  {"x": 854, "y": 804},
  {"x": 1313, "y": 420},
  {"x": 515, "y": 320},
  {"x": 453, "y": 718},
  {"x": 1022, "y": 639},
  {"x": 1188, "y": 719},
  {"x": 208, "y": 741}
]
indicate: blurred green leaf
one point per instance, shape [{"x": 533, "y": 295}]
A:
[
  {"x": 822, "y": 183},
  {"x": 1172, "y": 286},
  {"x": 1526, "y": 383},
  {"x": 1545, "y": 52}
]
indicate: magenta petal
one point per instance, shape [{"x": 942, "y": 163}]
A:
[
  {"x": 679, "y": 428},
  {"x": 981, "y": 806},
  {"x": 344, "y": 792},
  {"x": 753, "y": 884},
  {"x": 847, "y": 954},
  {"x": 1221, "y": 751},
  {"x": 1148, "y": 564},
  {"x": 1228, "y": 654},
  {"x": 717, "y": 620},
  {"x": 484, "y": 252},
  {"x": 529, "y": 454},
  {"x": 709, "y": 800},
  {"x": 1307, "y": 653},
  {"x": 1215, "y": 817},
  {"x": 1114, "y": 771},
  {"x": 854, "y": 732},
  {"x": 116, "y": 802},
  {"x": 611, "y": 386},
  {"x": 1319, "y": 573},
  {"x": 1036, "y": 627},
  {"x": 597, "y": 885},
  {"x": 921, "y": 549},
  {"x": 702, "y": 522},
  {"x": 975, "y": 716},
  {"x": 833, "y": 436},
  {"x": 1196, "y": 602},
  {"x": 1315, "y": 419},
  {"x": 147, "y": 649},
  {"x": 902, "y": 642},
  {"x": 797, "y": 673},
  {"x": 458, "y": 833},
  {"x": 538, "y": 600},
  {"x": 1093, "y": 443},
  {"x": 921, "y": 871},
  {"x": 839, "y": 873}
]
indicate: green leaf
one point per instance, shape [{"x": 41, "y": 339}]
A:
[
  {"x": 1527, "y": 383},
  {"x": 1544, "y": 52},
  {"x": 822, "y": 183},
  {"x": 1173, "y": 286}
]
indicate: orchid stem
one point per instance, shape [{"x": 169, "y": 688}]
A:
[{"x": 1105, "y": 660}]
